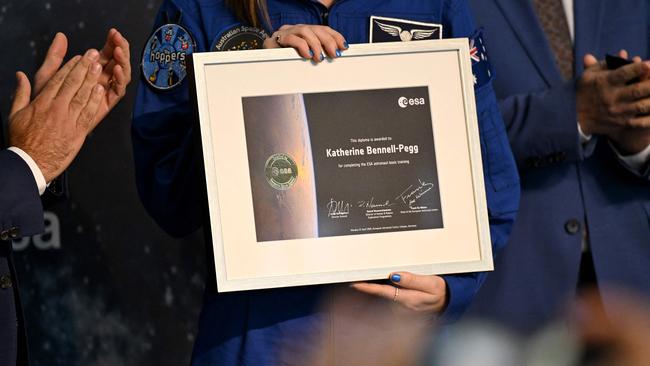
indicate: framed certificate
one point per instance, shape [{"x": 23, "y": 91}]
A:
[{"x": 343, "y": 171}]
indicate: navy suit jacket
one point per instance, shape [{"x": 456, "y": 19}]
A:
[
  {"x": 564, "y": 186},
  {"x": 21, "y": 214}
]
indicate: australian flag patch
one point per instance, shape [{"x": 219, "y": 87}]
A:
[{"x": 480, "y": 64}]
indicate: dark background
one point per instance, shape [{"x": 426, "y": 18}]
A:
[{"x": 104, "y": 286}]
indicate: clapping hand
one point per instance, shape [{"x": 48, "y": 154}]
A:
[
  {"x": 609, "y": 105},
  {"x": 114, "y": 59},
  {"x": 51, "y": 121},
  {"x": 52, "y": 128}
]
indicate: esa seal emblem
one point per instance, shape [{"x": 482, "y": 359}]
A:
[
  {"x": 163, "y": 59},
  {"x": 281, "y": 171},
  {"x": 239, "y": 38}
]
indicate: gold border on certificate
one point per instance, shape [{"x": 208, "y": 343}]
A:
[{"x": 244, "y": 260}]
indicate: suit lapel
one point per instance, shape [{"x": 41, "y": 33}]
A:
[
  {"x": 588, "y": 23},
  {"x": 521, "y": 16}
]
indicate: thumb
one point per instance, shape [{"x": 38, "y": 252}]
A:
[
  {"x": 22, "y": 93},
  {"x": 589, "y": 60},
  {"x": 623, "y": 54},
  {"x": 53, "y": 60}
]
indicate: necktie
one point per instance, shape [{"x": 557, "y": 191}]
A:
[{"x": 553, "y": 19}]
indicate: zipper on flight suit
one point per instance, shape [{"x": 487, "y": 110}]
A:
[
  {"x": 324, "y": 17},
  {"x": 323, "y": 11}
]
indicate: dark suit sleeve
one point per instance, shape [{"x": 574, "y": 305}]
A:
[
  {"x": 543, "y": 127},
  {"x": 500, "y": 173},
  {"x": 21, "y": 211}
]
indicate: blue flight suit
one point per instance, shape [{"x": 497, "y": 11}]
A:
[
  {"x": 251, "y": 327},
  {"x": 565, "y": 186}
]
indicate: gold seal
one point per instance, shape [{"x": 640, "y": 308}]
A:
[{"x": 281, "y": 171}]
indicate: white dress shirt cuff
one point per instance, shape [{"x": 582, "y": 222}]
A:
[
  {"x": 583, "y": 137},
  {"x": 636, "y": 161},
  {"x": 36, "y": 171}
]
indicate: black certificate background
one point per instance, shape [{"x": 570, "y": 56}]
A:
[{"x": 334, "y": 119}]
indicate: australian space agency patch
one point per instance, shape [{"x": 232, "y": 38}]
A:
[
  {"x": 239, "y": 38},
  {"x": 164, "y": 57}
]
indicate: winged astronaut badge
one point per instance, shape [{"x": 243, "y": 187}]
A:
[{"x": 388, "y": 29}]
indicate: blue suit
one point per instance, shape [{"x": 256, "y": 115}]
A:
[
  {"x": 565, "y": 186},
  {"x": 251, "y": 327},
  {"x": 21, "y": 214}
]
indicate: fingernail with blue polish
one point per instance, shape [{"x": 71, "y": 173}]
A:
[
  {"x": 395, "y": 277},
  {"x": 311, "y": 53},
  {"x": 322, "y": 57},
  {"x": 346, "y": 45},
  {"x": 338, "y": 53}
]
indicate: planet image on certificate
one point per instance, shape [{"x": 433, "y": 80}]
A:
[{"x": 281, "y": 169}]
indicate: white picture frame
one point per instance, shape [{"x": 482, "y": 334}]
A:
[{"x": 223, "y": 81}]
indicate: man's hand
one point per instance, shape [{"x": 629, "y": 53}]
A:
[
  {"x": 53, "y": 127},
  {"x": 69, "y": 102},
  {"x": 606, "y": 104},
  {"x": 630, "y": 141},
  {"x": 114, "y": 59},
  {"x": 52, "y": 63}
]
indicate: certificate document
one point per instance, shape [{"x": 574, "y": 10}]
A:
[
  {"x": 374, "y": 170},
  {"x": 343, "y": 171}
]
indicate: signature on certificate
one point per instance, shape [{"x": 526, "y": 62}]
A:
[
  {"x": 412, "y": 193},
  {"x": 337, "y": 208},
  {"x": 370, "y": 204}
]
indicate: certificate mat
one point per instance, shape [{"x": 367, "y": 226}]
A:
[{"x": 343, "y": 171}]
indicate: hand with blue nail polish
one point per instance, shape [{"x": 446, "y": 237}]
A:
[
  {"x": 419, "y": 293},
  {"x": 312, "y": 42}
]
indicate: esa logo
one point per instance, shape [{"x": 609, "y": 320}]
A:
[
  {"x": 281, "y": 171},
  {"x": 49, "y": 240},
  {"x": 405, "y": 102}
]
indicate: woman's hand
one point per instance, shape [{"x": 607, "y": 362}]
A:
[
  {"x": 310, "y": 41},
  {"x": 424, "y": 294}
]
